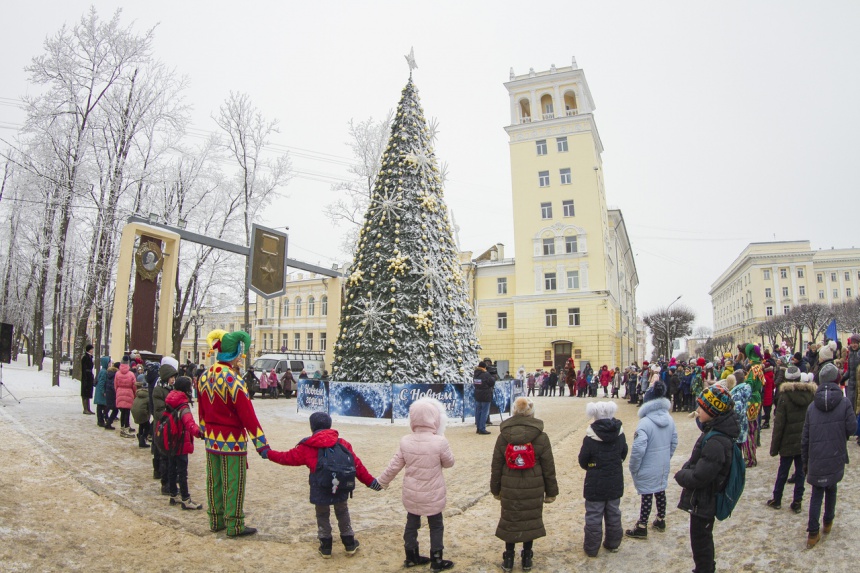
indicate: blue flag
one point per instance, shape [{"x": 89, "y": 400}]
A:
[{"x": 830, "y": 333}]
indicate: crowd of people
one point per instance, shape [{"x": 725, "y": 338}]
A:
[{"x": 731, "y": 398}]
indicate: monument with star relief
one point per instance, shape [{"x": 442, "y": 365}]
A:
[{"x": 406, "y": 315}]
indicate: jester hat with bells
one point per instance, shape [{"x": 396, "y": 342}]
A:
[{"x": 229, "y": 345}]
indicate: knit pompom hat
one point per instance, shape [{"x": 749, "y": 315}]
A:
[
  {"x": 828, "y": 375},
  {"x": 827, "y": 351},
  {"x": 601, "y": 410},
  {"x": 792, "y": 373},
  {"x": 523, "y": 407},
  {"x": 657, "y": 390},
  {"x": 715, "y": 401}
]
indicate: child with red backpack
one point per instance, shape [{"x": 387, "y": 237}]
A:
[
  {"x": 334, "y": 469},
  {"x": 180, "y": 439},
  {"x": 523, "y": 479}
]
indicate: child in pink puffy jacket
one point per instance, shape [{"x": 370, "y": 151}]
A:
[{"x": 423, "y": 453}]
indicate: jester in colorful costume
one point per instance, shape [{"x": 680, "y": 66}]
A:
[
  {"x": 228, "y": 423},
  {"x": 755, "y": 378}
]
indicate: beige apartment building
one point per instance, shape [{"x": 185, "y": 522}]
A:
[
  {"x": 569, "y": 290},
  {"x": 771, "y": 278}
]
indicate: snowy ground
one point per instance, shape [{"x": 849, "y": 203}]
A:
[{"x": 74, "y": 497}]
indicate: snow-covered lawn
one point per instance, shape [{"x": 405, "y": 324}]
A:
[{"x": 75, "y": 497}]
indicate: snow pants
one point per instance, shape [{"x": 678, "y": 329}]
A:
[
  {"x": 225, "y": 492},
  {"x": 596, "y": 513},
  {"x": 341, "y": 513},
  {"x": 702, "y": 544}
]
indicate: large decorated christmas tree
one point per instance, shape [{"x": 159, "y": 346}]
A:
[{"x": 406, "y": 315}]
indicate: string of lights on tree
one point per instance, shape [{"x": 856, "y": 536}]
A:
[{"x": 406, "y": 315}]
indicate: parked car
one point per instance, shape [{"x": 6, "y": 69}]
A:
[{"x": 294, "y": 361}]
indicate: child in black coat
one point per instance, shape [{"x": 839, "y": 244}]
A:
[{"x": 604, "y": 449}]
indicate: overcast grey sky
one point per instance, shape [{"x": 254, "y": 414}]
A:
[{"x": 723, "y": 123}]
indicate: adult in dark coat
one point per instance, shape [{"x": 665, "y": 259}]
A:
[
  {"x": 707, "y": 471},
  {"x": 604, "y": 449},
  {"x": 830, "y": 422},
  {"x": 794, "y": 399},
  {"x": 87, "y": 379},
  {"x": 484, "y": 383},
  {"x": 522, "y": 491}
]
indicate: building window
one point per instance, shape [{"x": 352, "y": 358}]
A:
[
  {"x": 767, "y": 274},
  {"x": 567, "y": 207},
  {"x": 541, "y": 146},
  {"x": 298, "y": 306},
  {"x": 286, "y": 306},
  {"x": 561, "y": 143},
  {"x": 543, "y": 178},
  {"x": 768, "y": 311},
  {"x": 833, "y": 277},
  {"x": 565, "y": 175},
  {"x": 783, "y": 273},
  {"x": 835, "y": 293},
  {"x": 848, "y": 293},
  {"x": 310, "y": 341},
  {"x": 800, "y": 273},
  {"x": 323, "y": 341},
  {"x": 502, "y": 285},
  {"x": 847, "y": 276},
  {"x": 324, "y": 306},
  {"x": 546, "y": 210},
  {"x": 802, "y": 290},
  {"x": 768, "y": 293},
  {"x": 570, "y": 245},
  {"x": 550, "y": 317},
  {"x": 549, "y": 281},
  {"x": 312, "y": 306},
  {"x": 786, "y": 309},
  {"x": 573, "y": 316},
  {"x": 784, "y": 291},
  {"x": 577, "y": 354},
  {"x": 572, "y": 279},
  {"x": 821, "y": 295},
  {"x": 819, "y": 277},
  {"x": 502, "y": 320},
  {"x": 285, "y": 342},
  {"x": 297, "y": 341},
  {"x": 549, "y": 246}
]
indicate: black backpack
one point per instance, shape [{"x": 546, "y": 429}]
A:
[
  {"x": 169, "y": 431},
  {"x": 334, "y": 478}
]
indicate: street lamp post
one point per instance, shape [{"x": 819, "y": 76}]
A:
[
  {"x": 668, "y": 322},
  {"x": 198, "y": 320}
]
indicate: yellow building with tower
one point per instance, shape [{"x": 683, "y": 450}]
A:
[{"x": 570, "y": 288}]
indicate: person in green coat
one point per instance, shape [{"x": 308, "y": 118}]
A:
[{"x": 523, "y": 479}]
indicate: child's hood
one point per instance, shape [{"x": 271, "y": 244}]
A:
[
  {"x": 321, "y": 439},
  {"x": 427, "y": 414},
  {"x": 142, "y": 392},
  {"x": 605, "y": 430},
  {"x": 123, "y": 368},
  {"x": 105, "y": 362},
  {"x": 176, "y": 399}
]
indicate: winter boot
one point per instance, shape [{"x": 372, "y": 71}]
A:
[
  {"x": 640, "y": 531},
  {"x": 350, "y": 544},
  {"x": 772, "y": 503},
  {"x": 175, "y": 500},
  {"x": 86, "y": 404},
  {"x": 527, "y": 555},
  {"x": 827, "y": 527},
  {"x": 812, "y": 539},
  {"x": 659, "y": 524},
  {"x": 439, "y": 564},
  {"x": 188, "y": 503},
  {"x": 508, "y": 561},
  {"x": 164, "y": 489},
  {"x": 325, "y": 548},
  {"x": 413, "y": 558},
  {"x": 109, "y": 426},
  {"x": 141, "y": 441}
]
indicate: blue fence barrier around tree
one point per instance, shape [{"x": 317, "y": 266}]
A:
[{"x": 392, "y": 401}]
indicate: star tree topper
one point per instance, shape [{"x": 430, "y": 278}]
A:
[{"x": 410, "y": 59}]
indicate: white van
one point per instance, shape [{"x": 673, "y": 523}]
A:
[{"x": 310, "y": 362}]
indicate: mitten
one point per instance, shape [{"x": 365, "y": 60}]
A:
[
  {"x": 549, "y": 499},
  {"x": 374, "y": 485},
  {"x": 264, "y": 453}
]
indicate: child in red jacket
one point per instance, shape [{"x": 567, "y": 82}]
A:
[
  {"x": 177, "y": 466},
  {"x": 308, "y": 452}
]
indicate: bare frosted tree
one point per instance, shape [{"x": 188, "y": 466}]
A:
[
  {"x": 847, "y": 315},
  {"x": 666, "y": 326},
  {"x": 367, "y": 141},
  {"x": 259, "y": 177},
  {"x": 814, "y": 317},
  {"x": 768, "y": 329}
]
